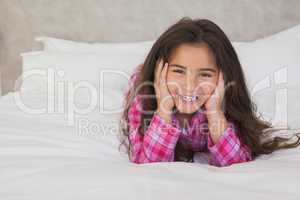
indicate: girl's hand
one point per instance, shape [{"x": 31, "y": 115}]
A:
[
  {"x": 165, "y": 102},
  {"x": 217, "y": 122},
  {"x": 214, "y": 102}
]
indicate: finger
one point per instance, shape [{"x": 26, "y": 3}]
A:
[
  {"x": 158, "y": 71},
  {"x": 220, "y": 87},
  {"x": 220, "y": 84},
  {"x": 164, "y": 73},
  {"x": 157, "y": 77}
]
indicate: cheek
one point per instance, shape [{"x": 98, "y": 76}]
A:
[
  {"x": 173, "y": 87},
  {"x": 207, "y": 87},
  {"x": 173, "y": 84}
]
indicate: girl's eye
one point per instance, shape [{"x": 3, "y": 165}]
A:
[
  {"x": 178, "y": 71},
  {"x": 205, "y": 75}
]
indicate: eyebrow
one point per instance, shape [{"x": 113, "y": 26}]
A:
[{"x": 202, "y": 69}]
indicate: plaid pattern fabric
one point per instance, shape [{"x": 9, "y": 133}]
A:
[{"x": 160, "y": 138}]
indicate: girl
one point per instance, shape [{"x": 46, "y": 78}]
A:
[{"x": 190, "y": 96}]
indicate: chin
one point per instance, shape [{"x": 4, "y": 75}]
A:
[
  {"x": 185, "y": 111},
  {"x": 188, "y": 109}
]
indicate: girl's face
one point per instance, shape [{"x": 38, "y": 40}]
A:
[{"x": 192, "y": 76}]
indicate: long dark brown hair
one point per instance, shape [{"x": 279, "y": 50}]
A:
[{"x": 239, "y": 107}]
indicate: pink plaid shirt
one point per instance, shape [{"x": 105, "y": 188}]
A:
[{"x": 160, "y": 138}]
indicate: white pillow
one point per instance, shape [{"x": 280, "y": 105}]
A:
[
  {"x": 272, "y": 68},
  {"x": 61, "y": 45},
  {"x": 85, "y": 62},
  {"x": 81, "y": 71},
  {"x": 82, "y": 67}
]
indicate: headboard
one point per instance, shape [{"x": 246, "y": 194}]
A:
[{"x": 127, "y": 20}]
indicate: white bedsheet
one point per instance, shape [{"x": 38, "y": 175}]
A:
[{"x": 41, "y": 157}]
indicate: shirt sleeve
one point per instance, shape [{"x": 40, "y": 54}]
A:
[
  {"x": 159, "y": 139},
  {"x": 229, "y": 149},
  {"x": 157, "y": 144}
]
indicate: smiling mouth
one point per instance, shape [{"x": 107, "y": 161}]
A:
[{"x": 187, "y": 98}]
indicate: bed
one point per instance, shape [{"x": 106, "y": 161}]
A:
[{"x": 47, "y": 153}]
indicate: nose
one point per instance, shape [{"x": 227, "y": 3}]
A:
[{"x": 190, "y": 84}]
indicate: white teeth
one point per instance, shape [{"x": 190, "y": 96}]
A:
[{"x": 188, "y": 98}]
